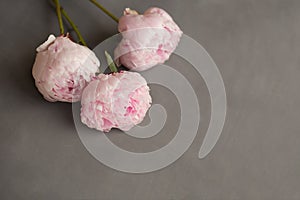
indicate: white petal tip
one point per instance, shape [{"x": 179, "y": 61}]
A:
[{"x": 45, "y": 45}]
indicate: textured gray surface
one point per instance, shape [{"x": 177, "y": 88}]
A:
[{"x": 256, "y": 45}]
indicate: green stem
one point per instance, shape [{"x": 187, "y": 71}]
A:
[
  {"x": 66, "y": 16},
  {"x": 110, "y": 63},
  {"x": 58, "y": 12},
  {"x": 81, "y": 40},
  {"x": 104, "y": 10}
]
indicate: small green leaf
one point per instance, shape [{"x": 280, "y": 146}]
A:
[{"x": 110, "y": 63}]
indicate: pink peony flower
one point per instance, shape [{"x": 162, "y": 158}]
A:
[
  {"x": 118, "y": 100},
  {"x": 148, "y": 39},
  {"x": 63, "y": 68}
]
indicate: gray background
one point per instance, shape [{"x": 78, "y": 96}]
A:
[{"x": 256, "y": 45}]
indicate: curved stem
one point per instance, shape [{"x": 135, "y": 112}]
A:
[
  {"x": 58, "y": 12},
  {"x": 73, "y": 26},
  {"x": 105, "y": 10}
]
